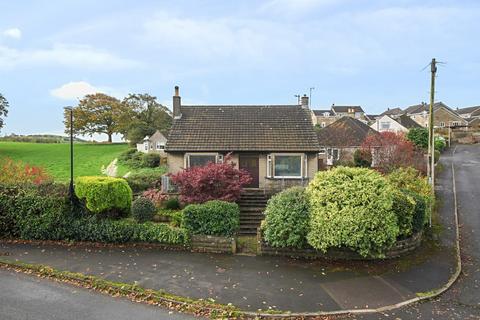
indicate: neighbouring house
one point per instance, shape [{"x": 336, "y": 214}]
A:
[
  {"x": 443, "y": 115},
  {"x": 470, "y": 112},
  {"x": 153, "y": 144},
  {"x": 276, "y": 144},
  {"x": 341, "y": 139},
  {"x": 325, "y": 117},
  {"x": 393, "y": 112},
  {"x": 401, "y": 123}
]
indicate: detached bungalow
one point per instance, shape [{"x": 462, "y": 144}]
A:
[
  {"x": 153, "y": 144},
  {"x": 341, "y": 139},
  {"x": 401, "y": 123},
  {"x": 276, "y": 144}
]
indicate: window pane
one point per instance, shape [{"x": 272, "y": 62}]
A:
[
  {"x": 288, "y": 166},
  {"x": 201, "y": 160}
]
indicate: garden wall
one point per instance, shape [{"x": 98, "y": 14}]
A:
[
  {"x": 212, "y": 244},
  {"x": 400, "y": 248}
]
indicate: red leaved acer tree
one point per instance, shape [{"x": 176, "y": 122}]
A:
[
  {"x": 213, "y": 181},
  {"x": 392, "y": 150},
  {"x": 17, "y": 172}
]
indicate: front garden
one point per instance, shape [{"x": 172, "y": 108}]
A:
[{"x": 355, "y": 209}]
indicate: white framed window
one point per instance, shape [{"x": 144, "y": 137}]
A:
[
  {"x": 323, "y": 125},
  {"x": 269, "y": 166},
  {"x": 442, "y": 124},
  {"x": 201, "y": 159},
  {"x": 326, "y": 114},
  {"x": 160, "y": 145},
  {"x": 288, "y": 165},
  {"x": 384, "y": 125},
  {"x": 145, "y": 146},
  {"x": 333, "y": 153},
  {"x": 455, "y": 123},
  {"x": 322, "y": 151}
]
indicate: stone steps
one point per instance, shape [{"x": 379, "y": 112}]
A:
[{"x": 252, "y": 205}]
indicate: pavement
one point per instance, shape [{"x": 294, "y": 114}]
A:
[
  {"x": 27, "y": 297},
  {"x": 253, "y": 283}
]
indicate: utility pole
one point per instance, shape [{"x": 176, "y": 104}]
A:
[{"x": 431, "y": 140}]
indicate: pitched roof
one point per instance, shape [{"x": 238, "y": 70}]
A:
[
  {"x": 418, "y": 108},
  {"x": 243, "y": 128},
  {"x": 392, "y": 112},
  {"x": 407, "y": 122},
  {"x": 345, "y": 132},
  {"x": 320, "y": 113},
  {"x": 468, "y": 110},
  {"x": 344, "y": 109}
]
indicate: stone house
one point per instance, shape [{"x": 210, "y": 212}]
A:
[
  {"x": 276, "y": 144},
  {"x": 341, "y": 139},
  {"x": 443, "y": 115},
  {"x": 323, "y": 118},
  {"x": 401, "y": 123},
  {"x": 153, "y": 144}
]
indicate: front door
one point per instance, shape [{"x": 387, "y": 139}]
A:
[{"x": 250, "y": 164}]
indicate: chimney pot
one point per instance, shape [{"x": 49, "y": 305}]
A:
[
  {"x": 177, "y": 104},
  {"x": 304, "y": 101}
]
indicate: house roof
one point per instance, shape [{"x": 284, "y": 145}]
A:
[
  {"x": 468, "y": 110},
  {"x": 418, "y": 108},
  {"x": 345, "y": 132},
  {"x": 407, "y": 122},
  {"x": 243, "y": 128},
  {"x": 158, "y": 135},
  {"x": 392, "y": 112},
  {"x": 344, "y": 109},
  {"x": 320, "y": 113}
]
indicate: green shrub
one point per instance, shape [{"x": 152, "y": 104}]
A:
[
  {"x": 175, "y": 217},
  {"x": 287, "y": 218},
  {"x": 150, "y": 160},
  {"x": 143, "y": 209},
  {"x": 172, "y": 203},
  {"x": 419, "y": 211},
  {"x": 411, "y": 179},
  {"x": 105, "y": 195},
  {"x": 30, "y": 215},
  {"x": 217, "y": 218},
  {"x": 126, "y": 155},
  {"x": 351, "y": 207},
  {"x": 404, "y": 207},
  {"x": 436, "y": 156},
  {"x": 362, "y": 158},
  {"x": 146, "y": 178},
  {"x": 440, "y": 144}
]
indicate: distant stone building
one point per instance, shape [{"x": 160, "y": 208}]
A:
[
  {"x": 153, "y": 144},
  {"x": 443, "y": 115},
  {"x": 325, "y": 117},
  {"x": 401, "y": 123}
]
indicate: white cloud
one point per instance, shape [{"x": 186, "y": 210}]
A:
[
  {"x": 75, "y": 56},
  {"x": 14, "y": 33},
  {"x": 291, "y": 8},
  {"x": 74, "y": 90}
]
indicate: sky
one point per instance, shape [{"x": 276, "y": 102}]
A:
[{"x": 353, "y": 52}]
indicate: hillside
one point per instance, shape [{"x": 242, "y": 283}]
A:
[{"x": 55, "y": 157}]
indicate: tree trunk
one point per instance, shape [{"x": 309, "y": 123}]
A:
[{"x": 109, "y": 137}]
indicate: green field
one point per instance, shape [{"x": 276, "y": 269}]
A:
[{"x": 55, "y": 157}]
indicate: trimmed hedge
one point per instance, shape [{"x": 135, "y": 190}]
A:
[
  {"x": 105, "y": 195},
  {"x": 216, "y": 218},
  {"x": 419, "y": 211},
  {"x": 404, "y": 207},
  {"x": 143, "y": 209},
  {"x": 352, "y": 207},
  {"x": 287, "y": 219},
  {"x": 32, "y": 216},
  {"x": 146, "y": 178}
]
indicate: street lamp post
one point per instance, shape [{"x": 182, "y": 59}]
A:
[{"x": 71, "y": 189}]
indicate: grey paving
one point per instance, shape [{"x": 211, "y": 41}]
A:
[{"x": 25, "y": 297}]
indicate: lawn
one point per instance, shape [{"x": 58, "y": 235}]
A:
[{"x": 55, "y": 157}]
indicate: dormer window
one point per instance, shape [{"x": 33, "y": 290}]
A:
[{"x": 160, "y": 146}]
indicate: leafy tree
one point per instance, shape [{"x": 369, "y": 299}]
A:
[
  {"x": 145, "y": 116},
  {"x": 419, "y": 137},
  {"x": 3, "y": 109},
  {"x": 391, "y": 151},
  {"x": 213, "y": 181},
  {"x": 98, "y": 113}
]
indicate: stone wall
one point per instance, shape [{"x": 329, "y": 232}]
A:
[
  {"x": 212, "y": 244},
  {"x": 400, "y": 248}
]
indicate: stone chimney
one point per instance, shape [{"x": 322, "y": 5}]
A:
[
  {"x": 177, "y": 104},
  {"x": 304, "y": 101}
]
